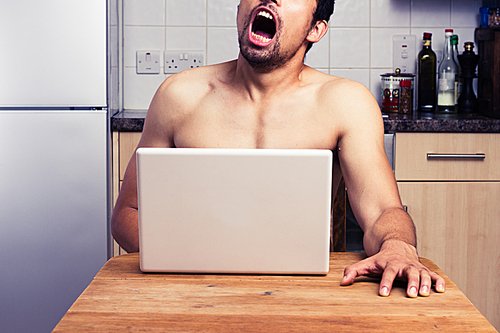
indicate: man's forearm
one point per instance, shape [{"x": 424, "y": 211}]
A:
[{"x": 393, "y": 224}]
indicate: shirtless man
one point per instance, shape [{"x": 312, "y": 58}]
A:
[{"x": 268, "y": 98}]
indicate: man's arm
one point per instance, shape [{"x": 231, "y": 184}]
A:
[
  {"x": 390, "y": 238},
  {"x": 157, "y": 132}
]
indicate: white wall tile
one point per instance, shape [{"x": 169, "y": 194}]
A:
[
  {"x": 138, "y": 90},
  {"x": 390, "y": 13},
  {"x": 191, "y": 13},
  {"x": 359, "y": 75},
  {"x": 222, "y": 45},
  {"x": 351, "y": 13},
  {"x": 141, "y": 38},
  {"x": 186, "y": 38},
  {"x": 465, "y": 13},
  {"x": 431, "y": 13},
  {"x": 349, "y": 48},
  {"x": 222, "y": 13},
  {"x": 381, "y": 45},
  {"x": 144, "y": 12},
  {"x": 317, "y": 56}
]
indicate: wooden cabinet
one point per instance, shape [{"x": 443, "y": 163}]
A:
[
  {"x": 124, "y": 144},
  {"x": 454, "y": 201}
]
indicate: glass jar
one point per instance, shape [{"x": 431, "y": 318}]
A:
[
  {"x": 390, "y": 91},
  {"x": 405, "y": 97},
  {"x": 494, "y": 18}
]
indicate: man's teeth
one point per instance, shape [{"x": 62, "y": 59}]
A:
[
  {"x": 266, "y": 15},
  {"x": 261, "y": 38}
]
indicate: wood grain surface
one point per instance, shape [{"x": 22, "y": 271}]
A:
[{"x": 122, "y": 298}]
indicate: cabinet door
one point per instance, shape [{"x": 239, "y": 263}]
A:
[
  {"x": 124, "y": 144},
  {"x": 458, "y": 227}
]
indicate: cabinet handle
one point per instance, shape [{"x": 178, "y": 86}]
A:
[{"x": 456, "y": 156}]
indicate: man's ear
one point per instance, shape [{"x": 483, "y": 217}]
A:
[{"x": 318, "y": 31}]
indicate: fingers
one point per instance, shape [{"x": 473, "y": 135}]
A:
[
  {"x": 413, "y": 275},
  {"x": 440, "y": 283},
  {"x": 388, "y": 278},
  {"x": 419, "y": 278},
  {"x": 425, "y": 284},
  {"x": 364, "y": 267}
]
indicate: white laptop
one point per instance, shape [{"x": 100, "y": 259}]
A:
[{"x": 249, "y": 211}]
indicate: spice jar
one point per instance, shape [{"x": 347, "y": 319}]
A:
[
  {"x": 405, "y": 97},
  {"x": 391, "y": 90}
]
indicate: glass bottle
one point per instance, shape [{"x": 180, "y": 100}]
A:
[
  {"x": 446, "y": 77},
  {"x": 458, "y": 77},
  {"x": 426, "y": 76}
]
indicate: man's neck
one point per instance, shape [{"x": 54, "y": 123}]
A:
[{"x": 261, "y": 84}]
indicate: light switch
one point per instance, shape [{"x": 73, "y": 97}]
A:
[
  {"x": 148, "y": 62},
  {"x": 404, "y": 55}
]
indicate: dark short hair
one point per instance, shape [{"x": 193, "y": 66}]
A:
[{"x": 324, "y": 10}]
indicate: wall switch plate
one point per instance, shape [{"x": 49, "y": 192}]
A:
[
  {"x": 178, "y": 61},
  {"x": 148, "y": 62},
  {"x": 404, "y": 54}
]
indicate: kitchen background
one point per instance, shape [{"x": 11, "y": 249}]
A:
[{"x": 358, "y": 45}]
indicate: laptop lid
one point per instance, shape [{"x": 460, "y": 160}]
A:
[{"x": 234, "y": 210}]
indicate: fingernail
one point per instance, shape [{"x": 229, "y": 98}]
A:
[
  {"x": 343, "y": 279},
  {"x": 413, "y": 292},
  {"x": 440, "y": 288},
  {"x": 425, "y": 290},
  {"x": 384, "y": 291}
]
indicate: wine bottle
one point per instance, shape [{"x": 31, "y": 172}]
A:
[
  {"x": 427, "y": 76},
  {"x": 446, "y": 77},
  {"x": 458, "y": 77}
]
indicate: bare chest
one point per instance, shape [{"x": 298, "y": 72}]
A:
[{"x": 239, "y": 126}]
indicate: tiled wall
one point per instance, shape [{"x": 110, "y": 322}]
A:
[{"x": 358, "y": 45}]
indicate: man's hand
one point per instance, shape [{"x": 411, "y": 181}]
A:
[{"x": 396, "y": 260}]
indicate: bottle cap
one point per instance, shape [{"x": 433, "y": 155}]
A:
[
  {"x": 448, "y": 31},
  {"x": 469, "y": 46},
  {"x": 427, "y": 35},
  {"x": 405, "y": 83}
]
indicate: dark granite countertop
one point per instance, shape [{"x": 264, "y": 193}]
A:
[{"x": 133, "y": 121}]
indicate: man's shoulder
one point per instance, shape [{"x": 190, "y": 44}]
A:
[
  {"x": 191, "y": 85},
  {"x": 346, "y": 100}
]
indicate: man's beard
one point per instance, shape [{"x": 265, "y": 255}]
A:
[{"x": 259, "y": 59}]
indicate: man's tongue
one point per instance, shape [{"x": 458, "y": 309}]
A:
[{"x": 263, "y": 34}]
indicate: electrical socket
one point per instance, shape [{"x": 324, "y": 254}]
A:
[{"x": 178, "y": 61}]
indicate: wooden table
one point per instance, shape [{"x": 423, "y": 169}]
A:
[{"x": 123, "y": 299}]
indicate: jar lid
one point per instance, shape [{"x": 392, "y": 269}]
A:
[
  {"x": 407, "y": 75},
  {"x": 405, "y": 83}
]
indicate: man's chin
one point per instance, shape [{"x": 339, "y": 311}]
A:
[{"x": 261, "y": 61}]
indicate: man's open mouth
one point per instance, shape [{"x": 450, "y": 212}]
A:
[{"x": 263, "y": 28}]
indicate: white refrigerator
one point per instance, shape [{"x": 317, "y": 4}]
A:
[{"x": 53, "y": 157}]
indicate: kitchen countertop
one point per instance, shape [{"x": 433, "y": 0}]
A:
[{"x": 133, "y": 121}]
